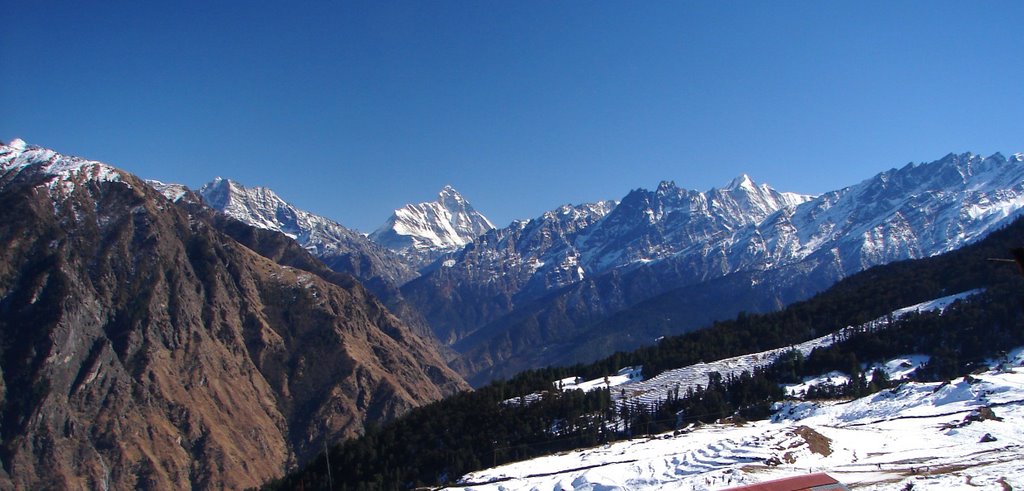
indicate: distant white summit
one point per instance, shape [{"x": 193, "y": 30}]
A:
[{"x": 427, "y": 230}]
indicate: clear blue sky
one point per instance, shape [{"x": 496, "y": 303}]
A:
[{"x": 351, "y": 109}]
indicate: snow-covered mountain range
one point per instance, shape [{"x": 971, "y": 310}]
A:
[
  {"x": 670, "y": 221},
  {"x": 916, "y": 211},
  {"x": 531, "y": 293},
  {"x": 526, "y": 258},
  {"x": 579, "y": 264},
  {"x": 539, "y": 251},
  {"x": 504, "y": 295},
  {"x": 423, "y": 231}
]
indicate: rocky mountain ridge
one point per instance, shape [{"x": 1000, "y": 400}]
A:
[
  {"x": 340, "y": 248},
  {"x": 502, "y": 268},
  {"x": 142, "y": 347}
]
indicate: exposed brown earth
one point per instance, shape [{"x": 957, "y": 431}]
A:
[
  {"x": 816, "y": 442},
  {"x": 140, "y": 347}
]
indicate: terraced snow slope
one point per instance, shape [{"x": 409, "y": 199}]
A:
[{"x": 919, "y": 434}]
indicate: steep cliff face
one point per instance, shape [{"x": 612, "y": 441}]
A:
[
  {"x": 501, "y": 269},
  {"x": 140, "y": 347}
]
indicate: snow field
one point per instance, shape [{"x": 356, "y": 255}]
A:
[{"x": 918, "y": 433}]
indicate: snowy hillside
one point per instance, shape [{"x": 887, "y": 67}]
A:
[
  {"x": 932, "y": 435},
  {"x": 968, "y": 433},
  {"x": 924, "y": 434},
  {"x": 630, "y": 387}
]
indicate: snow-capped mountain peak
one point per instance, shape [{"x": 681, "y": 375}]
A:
[
  {"x": 743, "y": 181},
  {"x": 17, "y": 144},
  {"x": 257, "y": 206},
  {"x": 428, "y": 229},
  {"x": 451, "y": 198}
]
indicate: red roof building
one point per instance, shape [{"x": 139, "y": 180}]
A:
[{"x": 810, "y": 482}]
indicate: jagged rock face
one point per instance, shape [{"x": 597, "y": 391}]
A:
[
  {"x": 340, "y": 248},
  {"x": 425, "y": 231},
  {"x": 502, "y": 268},
  {"x": 650, "y": 226},
  {"x": 142, "y": 348},
  {"x": 913, "y": 212},
  {"x": 503, "y": 271}
]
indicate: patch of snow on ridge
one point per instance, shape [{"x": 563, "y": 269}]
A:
[
  {"x": 66, "y": 171},
  {"x": 624, "y": 376},
  {"x": 173, "y": 192}
]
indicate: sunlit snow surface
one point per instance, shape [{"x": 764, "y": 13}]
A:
[{"x": 912, "y": 434}]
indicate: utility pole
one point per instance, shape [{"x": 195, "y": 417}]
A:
[{"x": 327, "y": 455}]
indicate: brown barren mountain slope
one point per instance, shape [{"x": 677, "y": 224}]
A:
[{"x": 142, "y": 348}]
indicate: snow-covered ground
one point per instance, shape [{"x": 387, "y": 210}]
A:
[
  {"x": 918, "y": 433},
  {"x": 622, "y": 377},
  {"x": 895, "y": 369},
  {"x": 965, "y": 434}
]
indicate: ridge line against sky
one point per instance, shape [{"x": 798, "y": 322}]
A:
[{"x": 353, "y": 109}]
